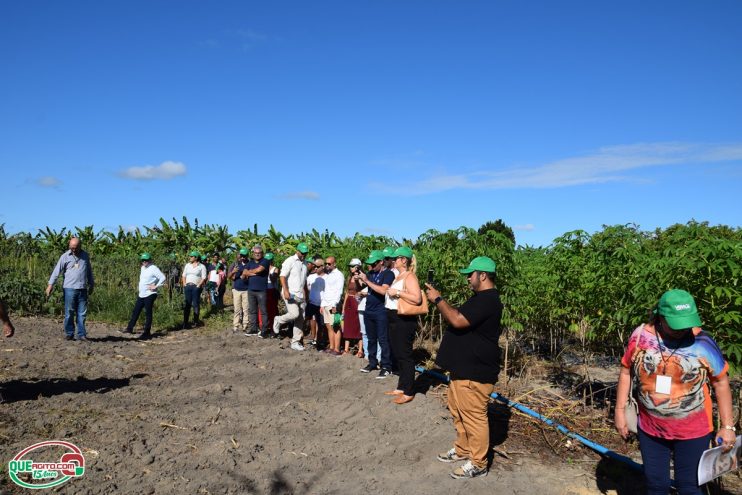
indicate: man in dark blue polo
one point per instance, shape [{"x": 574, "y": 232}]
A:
[
  {"x": 257, "y": 285},
  {"x": 378, "y": 279}
]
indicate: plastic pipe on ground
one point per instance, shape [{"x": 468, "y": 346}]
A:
[{"x": 560, "y": 428}]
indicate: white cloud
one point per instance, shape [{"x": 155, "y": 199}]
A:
[
  {"x": 309, "y": 195},
  {"x": 376, "y": 230},
  {"x": 164, "y": 171},
  {"x": 248, "y": 34},
  {"x": 527, "y": 227},
  {"x": 210, "y": 43},
  {"x": 48, "y": 181},
  {"x": 608, "y": 164}
]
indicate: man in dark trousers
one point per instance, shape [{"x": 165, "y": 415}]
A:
[{"x": 469, "y": 350}]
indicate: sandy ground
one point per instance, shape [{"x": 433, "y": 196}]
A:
[{"x": 245, "y": 415}]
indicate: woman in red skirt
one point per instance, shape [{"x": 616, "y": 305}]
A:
[{"x": 351, "y": 322}]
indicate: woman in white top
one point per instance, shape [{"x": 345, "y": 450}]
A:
[
  {"x": 402, "y": 328},
  {"x": 193, "y": 280}
]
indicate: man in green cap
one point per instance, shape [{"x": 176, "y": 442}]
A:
[
  {"x": 389, "y": 258},
  {"x": 293, "y": 278},
  {"x": 238, "y": 274},
  {"x": 469, "y": 350},
  {"x": 378, "y": 279},
  {"x": 150, "y": 279},
  {"x": 193, "y": 280}
]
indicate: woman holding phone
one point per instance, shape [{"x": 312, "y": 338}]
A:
[{"x": 402, "y": 328}]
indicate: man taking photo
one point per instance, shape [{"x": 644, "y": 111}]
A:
[{"x": 469, "y": 350}]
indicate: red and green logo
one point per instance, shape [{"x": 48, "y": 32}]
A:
[{"x": 29, "y": 473}]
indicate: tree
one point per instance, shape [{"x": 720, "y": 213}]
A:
[{"x": 498, "y": 226}]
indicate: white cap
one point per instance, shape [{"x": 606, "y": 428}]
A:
[{"x": 355, "y": 262}]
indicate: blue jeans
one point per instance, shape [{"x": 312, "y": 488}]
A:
[
  {"x": 378, "y": 334},
  {"x": 656, "y": 454},
  {"x": 256, "y": 300},
  {"x": 75, "y": 303},
  {"x": 192, "y": 299},
  {"x": 362, "y": 319}
]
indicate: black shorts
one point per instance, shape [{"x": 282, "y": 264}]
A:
[{"x": 313, "y": 312}]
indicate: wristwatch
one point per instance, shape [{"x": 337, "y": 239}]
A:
[
  {"x": 729, "y": 427},
  {"x": 437, "y": 300}
]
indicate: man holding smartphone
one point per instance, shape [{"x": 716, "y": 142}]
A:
[{"x": 469, "y": 350}]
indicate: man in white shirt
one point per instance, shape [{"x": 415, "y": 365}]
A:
[
  {"x": 293, "y": 278},
  {"x": 331, "y": 296},
  {"x": 150, "y": 279}
]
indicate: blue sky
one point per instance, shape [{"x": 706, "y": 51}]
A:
[{"x": 379, "y": 117}]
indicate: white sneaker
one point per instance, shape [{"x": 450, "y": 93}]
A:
[
  {"x": 276, "y": 326},
  {"x": 297, "y": 346},
  {"x": 450, "y": 456},
  {"x": 468, "y": 470}
]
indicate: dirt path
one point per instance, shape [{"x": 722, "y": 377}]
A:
[{"x": 246, "y": 415}]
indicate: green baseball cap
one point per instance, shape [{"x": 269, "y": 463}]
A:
[
  {"x": 480, "y": 264},
  {"x": 194, "y": 253},
  {"x": 376, "y": 255},
  {"x": 679, "y": 309},
  {"x": 269, "y": 256},
  {"x": 388, "y": 252},
  {"x": 203, "y": 257},
  {"x": 244, "y": 251},
  {"x": 403, "y": 251},
  {"x": 145, "y": 257},
  {"x": 302, "y": 248}
]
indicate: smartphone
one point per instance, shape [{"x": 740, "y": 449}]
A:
[{"x": 431, "y": 272}]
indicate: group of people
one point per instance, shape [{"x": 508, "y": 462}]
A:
[{"x": 671, "y": 359}]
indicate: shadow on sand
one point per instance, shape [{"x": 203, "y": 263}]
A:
[{"x": 19, "y": 390}]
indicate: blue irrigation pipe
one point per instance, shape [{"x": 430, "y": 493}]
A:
[{"x": 560, "y": 428}]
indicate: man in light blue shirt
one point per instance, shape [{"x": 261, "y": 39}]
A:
[
  {"x": 74, "y": 265},
  {"x": 150, "y": 279}
]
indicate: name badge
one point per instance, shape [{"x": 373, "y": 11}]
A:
[{"x": 662, "y": 385}]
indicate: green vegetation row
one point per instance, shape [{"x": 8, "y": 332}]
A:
[{"x": 582, "y": 292}]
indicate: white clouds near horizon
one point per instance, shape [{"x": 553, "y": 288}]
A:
[
  {"x": 48, "y": 181},
  {"x": 164, "y": 171},
  {"x": 607, "y": 164},
  {"x": 308, "y": 195}
]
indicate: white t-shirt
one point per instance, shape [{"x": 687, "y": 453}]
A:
[
  {"x": 334, "y": 283},
  {"x": 362, "y": 300},
  {"x": 315, "y": 284},
  {"x": 194, "y": 274},
  {"x": 391, "y": 302}
]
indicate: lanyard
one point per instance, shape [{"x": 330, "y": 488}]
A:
[{"x": 662, "y": 349}]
